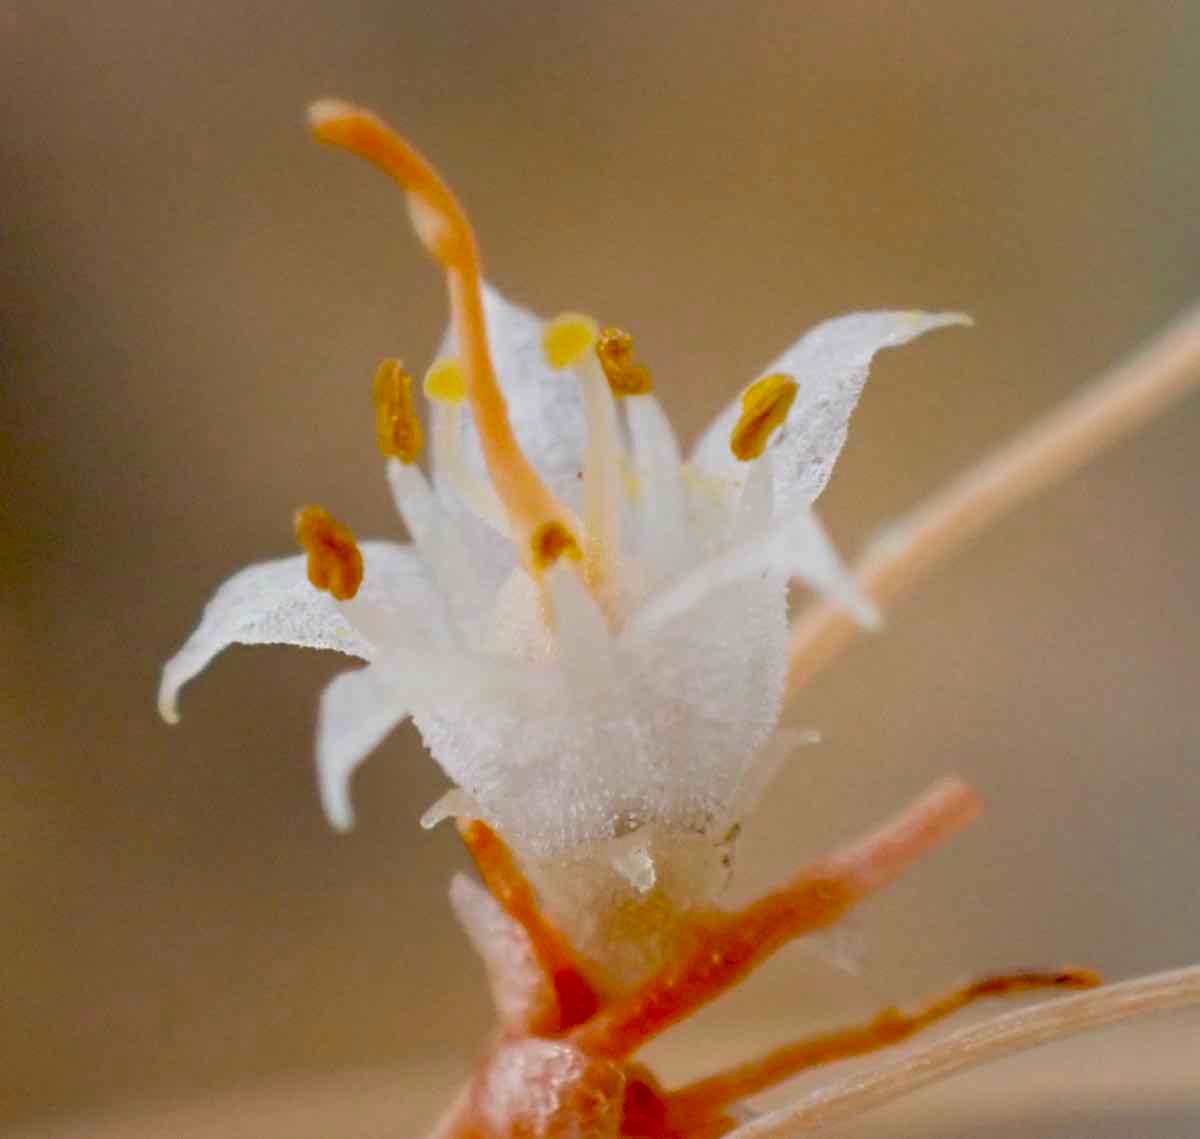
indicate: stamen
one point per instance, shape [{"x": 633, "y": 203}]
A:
[
  {"x": 550, "y": 542},
  {"x": 444, "y": 230},
  {"x": 335, "y": 562},
  {"x": 397, "y": 428},
  {"x": 615, "y": 351},
  {"x": 764, "y": 407},
  {"x": 567, "y": 342},
  {"x": 446, "y": 388}
]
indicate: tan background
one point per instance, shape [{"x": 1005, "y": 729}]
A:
[{"x": 194, "y": 297}]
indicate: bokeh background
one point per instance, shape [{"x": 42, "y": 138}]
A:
[{"x": 194, "y": 298}]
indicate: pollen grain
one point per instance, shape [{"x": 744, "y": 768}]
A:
[{"x": 335, "y": 563}]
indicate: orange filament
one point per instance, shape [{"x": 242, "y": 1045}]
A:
[
  {"x": 444, "y": 230},
  {"x": 551, "y": 541},
  {"x": 765, "y": 405},
  {"x": 615, "y": 351},
  {"x": 699, "y": 1101},
  {"x": 335, "y": 562},
  {"x": 397, "y": 428},
  {"x": 576, "y": 999}
]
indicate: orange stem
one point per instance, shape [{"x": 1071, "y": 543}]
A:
[{"x": 576, "y": 998}]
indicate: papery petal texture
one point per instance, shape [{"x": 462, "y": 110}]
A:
[
  {"x": 274, "y": 603},
  {"x": 830, "y": 363}
]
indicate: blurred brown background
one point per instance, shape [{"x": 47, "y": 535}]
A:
[{"x": 194, "y": 297}]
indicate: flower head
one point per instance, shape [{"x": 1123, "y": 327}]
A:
[{"x": 589, "y": 631}]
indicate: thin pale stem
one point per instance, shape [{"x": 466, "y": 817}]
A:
[
  {"x": 1114, "y": 406},
  {"x": 1017, "y": 1032}
]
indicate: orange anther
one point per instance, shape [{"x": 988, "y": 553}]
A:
[
  {"x": 397, "y": 428},
  {"x": 335, "y": 563},
  {"x": 615, "y": 351}
]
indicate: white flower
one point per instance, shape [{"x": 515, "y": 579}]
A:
[{"x": 589, "y": 631}]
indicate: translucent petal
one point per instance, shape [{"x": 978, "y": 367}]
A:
[
  {"x": 706, "y": 683},
  {"x": 581, "y": 634},
  {"x": 763, "y": 768},
  {"x": 358, "y": 710},
  {"x": 438, "y": 541},
  {"x": 273, "y": 603},
  {"x": 661, "y": 541},
  {"x": 797, "y": 548},
  {"x": 519, "y": 988},
  {"x": 830, "y": 363}
]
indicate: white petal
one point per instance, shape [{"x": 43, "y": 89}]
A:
[
  {"x": 797, "y": 548},
  {"x": 518, "y": 986},
  {"x": 273, "y": 603},
  {"x": 763, "y": 768},
  {"x": 436, "y": 536},
  {"x": 661, "y": 540},
  {"x": 830, "y": 363},
  {"x": 358, "y": 710},
  {"x": 581, "y": 634},
  {"x": 707, "y": 688}
]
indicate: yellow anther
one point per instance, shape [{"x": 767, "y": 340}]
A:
[
  {"x": 397, "y": 428},
  {"x": 615, "y": 350},
  {"x": 335, "y": 562},
  {"x": 445, "y": 381},
  {"x": 567, "y": 337},
  {"x": 765, "y": 405},
  {"x": 551, "y": 541}
]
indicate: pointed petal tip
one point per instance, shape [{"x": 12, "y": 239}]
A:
[
  {"x": 168, "y": 701},
  {"x": 335, "y": 802}
]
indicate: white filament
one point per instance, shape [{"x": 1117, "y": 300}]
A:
[{"x": 601, "y": 465}]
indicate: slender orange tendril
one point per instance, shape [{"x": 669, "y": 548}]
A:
[{"x": 444, "y": 231}]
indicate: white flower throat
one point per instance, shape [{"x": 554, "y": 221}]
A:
[{"x": 589, "y": 631}]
